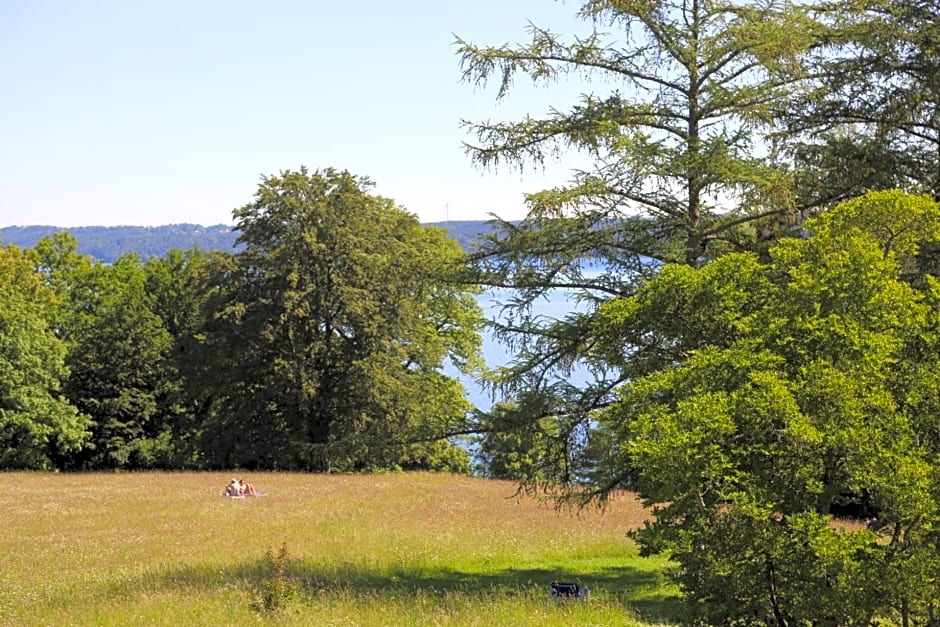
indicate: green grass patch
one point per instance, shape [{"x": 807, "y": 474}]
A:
[{"x": 400, "y": 549}]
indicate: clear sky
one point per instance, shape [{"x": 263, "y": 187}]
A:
[{"x": 157, "y": 112}]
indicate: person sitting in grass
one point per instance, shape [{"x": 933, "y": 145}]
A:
[
  {"x": 233, "y": 488},
  {"x": 237, "y": 487}
]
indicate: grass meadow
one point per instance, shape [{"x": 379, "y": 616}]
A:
[{"x": 395, "y": 549}]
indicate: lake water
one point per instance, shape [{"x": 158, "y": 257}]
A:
[{"x": 556, "y": 305}]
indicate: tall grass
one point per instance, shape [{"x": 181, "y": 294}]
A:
[{"x": 399, "y": 549}]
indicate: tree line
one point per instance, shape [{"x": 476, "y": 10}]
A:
[{"x": 318, "y": 345}]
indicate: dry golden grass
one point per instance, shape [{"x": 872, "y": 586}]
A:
[{"x": 397, "y": 549}]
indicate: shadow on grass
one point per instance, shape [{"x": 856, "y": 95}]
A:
[{"x": 644, "y": 593}]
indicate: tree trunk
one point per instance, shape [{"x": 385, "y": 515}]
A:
[{"x": 772, "y": 590}]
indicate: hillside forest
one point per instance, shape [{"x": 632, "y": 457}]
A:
[
  {"x": 108, "y": 243},
  {"x": 754, "y": 251}
]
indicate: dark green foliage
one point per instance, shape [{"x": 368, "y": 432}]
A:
[
  {"x": 869, "y": 118},
  {"x": 519, "y": 449},
  {"x": 118, "y": 350},
  {"x": 320, "y": 345},
  {"x": 179, "y": 286},
  {"x": 327, "y": 333}
]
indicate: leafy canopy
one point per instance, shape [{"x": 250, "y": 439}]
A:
[
  {"x": 331, "y": 330},
  {"x": 36, "y": 421},
  {"x": 780, "y": 387}
]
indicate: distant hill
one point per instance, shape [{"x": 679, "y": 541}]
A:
[
  {"x": 467, "y": 232},
  {"x": 107, "y": 243}
]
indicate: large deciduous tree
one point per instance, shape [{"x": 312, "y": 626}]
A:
[
  {"x": 781, "y": 387},
  {"x": 331, "y": 330},
  {"x": 682, "y": 95},
  {"x": 37, "y": 423}
]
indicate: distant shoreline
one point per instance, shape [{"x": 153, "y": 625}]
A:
[{"x": 108, "y": 243}]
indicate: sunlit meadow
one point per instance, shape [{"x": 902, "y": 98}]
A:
[{"x": 395, "y": 549}]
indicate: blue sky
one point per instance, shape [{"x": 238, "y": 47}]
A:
[{"x": 165, "y": 111}]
